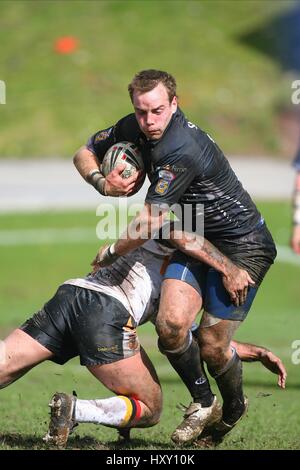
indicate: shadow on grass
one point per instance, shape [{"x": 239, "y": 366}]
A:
[
  {"x": 23, "y": 441},
  {"x": 29, "y": 442}
]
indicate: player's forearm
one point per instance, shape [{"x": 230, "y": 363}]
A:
[
  {"x": 248, "y": 352},
  {"x": 142, "y": 228},
  {"x": 88, "y": 166},
  {"x": 200, "y": 248},
  {"x": 85, "y": 162}
]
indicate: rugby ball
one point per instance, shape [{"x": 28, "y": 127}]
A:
[{"x": 124, "y": 153}]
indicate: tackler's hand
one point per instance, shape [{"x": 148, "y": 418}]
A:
[{"x": 105, "y": 257}]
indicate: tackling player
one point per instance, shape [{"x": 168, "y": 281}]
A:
[{"x": 96, "y": 317}]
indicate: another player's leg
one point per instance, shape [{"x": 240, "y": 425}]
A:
[
  {"x": 138, "y": 402},
  {"x": 136, "y": 380},
  {"x": 19, "y": 352},
  {"x": 225, "y": 366},
  {"x": 179, "y": 305},
  {"x": 218, "y": 325}
]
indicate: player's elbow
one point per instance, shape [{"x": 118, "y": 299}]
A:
[{"x": 78, "y": 157}]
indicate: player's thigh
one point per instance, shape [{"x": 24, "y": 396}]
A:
[
  {"x": 133, "y": 376},
  {"x": 181, "y": 294},
  {"x": 20, "y": 351},
  {"x": 179, "y": 302}
]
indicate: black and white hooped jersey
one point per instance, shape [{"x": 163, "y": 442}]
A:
[{"x": 186, "y": 167}]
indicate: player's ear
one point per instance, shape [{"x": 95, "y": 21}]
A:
[{"x": 174, "y": 103}]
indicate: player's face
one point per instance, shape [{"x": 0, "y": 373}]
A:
[{"x": 153, "y": 111}]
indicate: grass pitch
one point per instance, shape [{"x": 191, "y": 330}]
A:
[
  {"x": 229, "y": 89},
  {"x": 32, "y": 269}
]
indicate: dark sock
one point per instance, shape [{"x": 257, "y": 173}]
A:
[
  {"x": 229, "y": 381},
  {"x": 188, "y": 367}
]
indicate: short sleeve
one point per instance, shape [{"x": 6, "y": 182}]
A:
[
  {"x": 126, "y": 129},
  {"x": 100, "y": 142}
]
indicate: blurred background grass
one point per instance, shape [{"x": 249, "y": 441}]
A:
[{"x": 54, "y": 101}]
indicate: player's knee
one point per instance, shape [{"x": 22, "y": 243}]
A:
[
  {"x": 155, "y": 412},
  {"x": 150, "y": 416},
  {"x": 212, "y": 354},
  {"x": 170, "y": 328},
  {"x": 155, "y": 418}
]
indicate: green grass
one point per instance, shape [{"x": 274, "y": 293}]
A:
[
  {"x": 55, "y": 102},
  {"x": 29, "y": 277}
]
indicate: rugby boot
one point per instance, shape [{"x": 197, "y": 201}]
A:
[
  {"x": 123, "y": 435},
  {"x": 196, "y": 418},
  {"x": 62, "y": 420},
  {"x": 214, "y": 435}
]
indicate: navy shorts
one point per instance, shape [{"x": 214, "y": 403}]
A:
[
  {"x": 84, "y": 322},
  {"x": 208, "y": 282}
]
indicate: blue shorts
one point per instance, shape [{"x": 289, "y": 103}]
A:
[{"x": 208, "y": 282}]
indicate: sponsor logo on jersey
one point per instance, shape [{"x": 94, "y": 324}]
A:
[
  {"x": 162, "y": 186},
  {"x": 173, "y": 168},
  {"x": 103, "y": 135}
]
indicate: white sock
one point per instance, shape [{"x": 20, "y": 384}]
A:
[{"x": 115, "y": 411}]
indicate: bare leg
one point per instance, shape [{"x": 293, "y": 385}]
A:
[
  {"x": 179, "y": 305},
  {"x": 134, "y": 377},
  {"x": 215, "y": 342},
  {"x": 225, "y": 366},
  {"x": 20, "y": 353},
  {"x": 133, "y": 380}
]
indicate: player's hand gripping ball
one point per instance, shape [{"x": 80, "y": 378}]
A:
[{"x": 125, "y": 153}]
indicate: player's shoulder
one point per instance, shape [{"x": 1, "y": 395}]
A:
[
  {"x": 182, "y": 137},
  {"x": 128, "y": 127}
]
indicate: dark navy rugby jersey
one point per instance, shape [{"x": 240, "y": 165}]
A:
[{"x": 186, "y": 166}]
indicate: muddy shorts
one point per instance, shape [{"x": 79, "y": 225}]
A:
[
  {"x": 254, "y": 252},
  {"x": 91, "y": 324}
]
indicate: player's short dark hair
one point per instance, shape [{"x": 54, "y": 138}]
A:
[{"x": 146, "y": 80}]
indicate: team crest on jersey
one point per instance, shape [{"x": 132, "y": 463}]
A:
[
  {"x": 103, "y": 135},
  {"x": 162, "y": 186}
]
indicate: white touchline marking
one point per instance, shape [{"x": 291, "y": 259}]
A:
[{"x": 45, "y": 236}]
